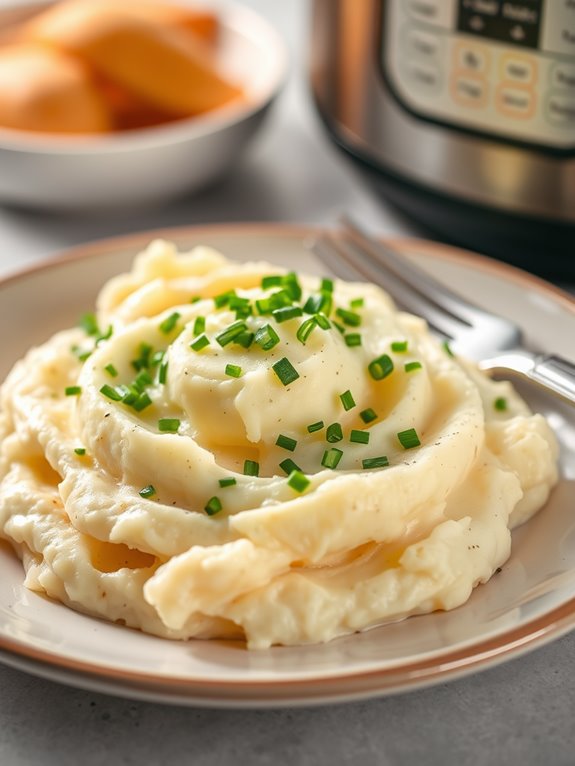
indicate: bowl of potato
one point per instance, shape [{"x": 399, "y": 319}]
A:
[{"x": 106, "y": 104}]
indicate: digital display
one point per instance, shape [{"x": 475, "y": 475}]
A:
[{"x": 515, "y": 23}]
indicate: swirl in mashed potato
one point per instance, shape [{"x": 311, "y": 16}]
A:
[{"x": 231, "y": 450}]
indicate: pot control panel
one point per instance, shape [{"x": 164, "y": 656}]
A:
[{"x": 500, "y": 67}]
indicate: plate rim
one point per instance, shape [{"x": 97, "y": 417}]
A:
[{"x": 452, "y": 664}]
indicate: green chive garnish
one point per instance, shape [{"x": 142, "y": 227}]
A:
[
  {"x": 353, "y": 339},
  {"x": 339, "y": 327},
  {"x": 500, "y": 404},
  {"x": 168, "y": 425},
  {"x": 334, "y": 433},
  {"x": 143, "y": 379},
  {"x": 142, "y": 402},
  {"x": 326, "y": 285},
  {"x": 349, "y": 318},
  {"x": 447, "y": 348},
  {"x": 111, "y": 370},
  {"x": 105, "y": 335},
  {"x": 381, "y": 367},
  {"x": 288, "y": 466},
  {"x": 331, "y": 458},
  {"x": 89, "y": 324},
  {"x": 347, "y": 400},
  {"x": 199, "y": 325},
  {"x": 80, "y": 450},
  {"x": 272, "y": 280},
  {"x": 305, "y": 330},
  {"x": 315, "y": 426},
  {"x": 163, "y": 373},
  {"x": 409, "y": 438},
  {"x": 223, "y": 299},
  {"x": 266, "y": 337},
  {"x": 73, "y": 390},
  {"x": 276, "y": 300},
  {"x": 285, "y": 442},
  {"x": 368, "y": 415},
  {"x": 111, "y": 393},
  {"x": 285, "y": 371},
  {"x": 356, "y": 303},
  {"x": 322, "y": 321},
  {"x": 245, "y": 339},
  {"x": 231, "y": 332},
  {"x": 251, "y": 468},
  {"x": 298, "y": 481},
  {"x": 169, "y": 323},
  {"x": 200, "y": 342},
  {"x": 143, "y": 359},
  {"x": 375, "y": 462},
  {"x": 359, "y": 437},
  {"x": 233, "y": 370},
  {"x": 410, "y": 366},
  {"x": 213, "y": 506},
  {"x": 399, "y": 346},
  {"x": 148, "y": 491},
  {"x": 80, "y": 353},
  {"x": 318, "y": 303},
  {"x": 287, "y": 312},
  {"x": 292, "y": 285},
  {"x": 196, "y": 299},
  {"x": 227, "y": 482}
]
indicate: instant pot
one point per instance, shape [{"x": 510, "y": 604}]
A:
[{"x": 462, "y": 112}]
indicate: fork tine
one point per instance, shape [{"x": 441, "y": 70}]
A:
[
  {"x": 338, "y": 256},
  {"x": 415, "y": 279}
]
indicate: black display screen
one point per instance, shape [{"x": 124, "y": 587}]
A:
[{"x": 516, "y": 23}]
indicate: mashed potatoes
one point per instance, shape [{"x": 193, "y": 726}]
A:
[{"x": 231, "y": 450}]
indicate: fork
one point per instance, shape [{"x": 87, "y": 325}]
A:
[{"x": 494, "y": 342}]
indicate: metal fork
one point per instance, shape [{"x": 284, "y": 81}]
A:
[{"x": 496, "y": 343}]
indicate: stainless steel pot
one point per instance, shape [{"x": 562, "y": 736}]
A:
[{"x": 463, "y": 111}]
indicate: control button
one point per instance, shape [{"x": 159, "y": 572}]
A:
[
  {"x": 559, "y": 27},
  {"x": 424, "y": 45},
  {"x": 471, "y": 58},
  {"x": 519, "y": 69},
  {"x": 561, "y": 110},
  {"x": 438, "y": 12},
  {"x": 424, "y": 76},
  {"x": 516, "y": 102},
  {"x": 563, "y": 76},
  {"x": 469, "y": 91}
]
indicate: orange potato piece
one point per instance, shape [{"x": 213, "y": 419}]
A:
[
  {"x": 47, "y": 91},
  {"x": 165, "y": 65}
]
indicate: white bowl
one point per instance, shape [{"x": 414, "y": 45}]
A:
[{"x": 148, "y": 164}]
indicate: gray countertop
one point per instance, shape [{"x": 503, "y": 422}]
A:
[{"x": 521, "y": 712}]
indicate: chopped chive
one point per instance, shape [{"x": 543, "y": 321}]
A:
[
  {"x": 231, "y": 332},
  {"x": 223, "y": 299},
  {"x": 447, "y": 348},
  {"x": 318, "y": 303},
  {"x": 251, "y": 468},
  {"x": 315, "y": 426},
  {"x": 347, "y": 400},
  {"x": 237, "y": 302},
  {"x": 277, "y": 300},
  {"x": 305, "y": 330},
  {"x": 368, "y": 415},
  {"x": 89, "y": 324},
  {"x": 143, "y": 358},
  {"x": 339, "y": 327},
  {"x": 129, "y": 394},
  {"x": 143, "y": 379},
  {"x": 288, "y": 466},
  {"x": 80, "y": 450},
  {"x": 285, "y": 371},
  {"x": 104, "y": 335},
  {"x": 292, "y": 286},
  {"x": 287, "y": 312},
  {"x": 266, "y": 337},
  {"x": 111, "y": 393},
  {"x": 80, "y": 353},
  {"x": 213, "y": 506},
  {"x": 199, "y": 325},
  {"x": 245, "y": 339},
  {"x": 233, "y": 370},
  {"x": 326, "y": 285},
  {"x": 163, "y": 373},
  {"x": 359, "y": 437},
  {"x": 148, "y": 491},
  {"x": 142, "y": 402},
  {"x": 331, "y": 458},
  {"x": 381, "y": 367},
  {"x": 195, "y": 299},
  {"x": 408, "y": 438},
  {"x": 73, "y": 390},
  {"x": 500, "y": 404},
  {"x": 375, "y": 462},
  {"x": 334, "y": 433},
  {"x": 168, "y": 425},
  {"x": 111, "y": 370},
  {"x": 410, "y": 366},
  {"x": 227, "y": 482},
  {"x": 349, "y": 318},
  {"x": 169, "y": 323},
  {"x": 157, "y": 358},
  {"x": 272, "y": 280},
  {"x": 285, "y": 442},
  {"x": 298, "y": 481},
  {"x": 200, "y": 342},
  {"x": 356, "y": 303},
  {"x": 322, "y": 321},
  {"x": 352, "y": 339},
  {"x": 399, "y": 346}
]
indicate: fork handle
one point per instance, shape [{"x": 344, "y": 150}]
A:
[{"x": 547, "y": 370}]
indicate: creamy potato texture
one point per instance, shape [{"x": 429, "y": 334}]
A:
[{"x": 231, "y": 450}]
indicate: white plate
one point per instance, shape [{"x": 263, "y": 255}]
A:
[{"x": 529, "y": 603}]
